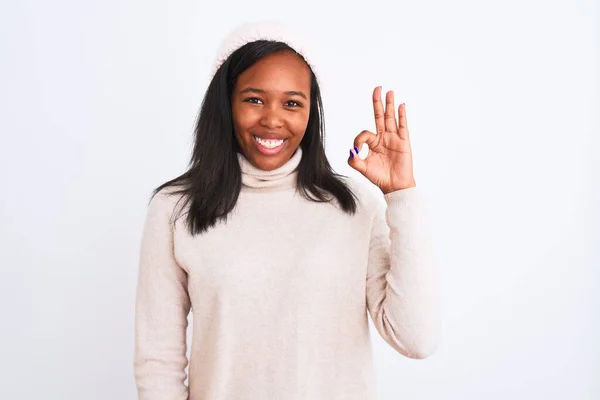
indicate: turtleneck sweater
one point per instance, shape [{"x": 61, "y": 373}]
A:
[
  {"x": 280, "y": 293},
  {"x": 258, "y": 180}
]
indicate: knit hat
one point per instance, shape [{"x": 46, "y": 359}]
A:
[{"x": 288, "y": 33}]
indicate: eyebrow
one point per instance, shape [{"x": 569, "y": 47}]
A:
[{"x": 288, "y": 93}]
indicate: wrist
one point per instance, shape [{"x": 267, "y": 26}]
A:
[{"x": 399, "y": 187}]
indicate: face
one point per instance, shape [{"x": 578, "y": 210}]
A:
[{"x": 270, "y": 106}]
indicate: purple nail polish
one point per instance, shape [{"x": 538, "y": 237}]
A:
[
  {"x": 356, "y": 149},
  {"x": 351, "y": 154}
]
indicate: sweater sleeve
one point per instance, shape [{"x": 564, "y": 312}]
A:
[
  {"x": 402, "y": 296},
  {"x": 162, "y": 307}
]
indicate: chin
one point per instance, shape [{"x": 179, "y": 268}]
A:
[{"x": 268, "y": 163}]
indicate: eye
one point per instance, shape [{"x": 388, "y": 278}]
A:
[
  {"x": 254, "y": 100},
  {"x": 293, "y": 103}
]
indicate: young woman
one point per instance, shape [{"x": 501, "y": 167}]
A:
[{"x": 279, "y": 258}]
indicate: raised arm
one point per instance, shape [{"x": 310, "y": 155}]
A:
[{"x": 402, "y": 289}]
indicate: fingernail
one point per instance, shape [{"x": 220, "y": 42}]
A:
[
  {"x": 356, "y": 149},
  {"x": 351, "y": 154}
]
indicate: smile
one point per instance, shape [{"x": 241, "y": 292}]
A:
[{"x": 269, "y": 147}]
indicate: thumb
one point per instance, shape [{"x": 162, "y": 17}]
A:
[{"x": 354, "y": 159}]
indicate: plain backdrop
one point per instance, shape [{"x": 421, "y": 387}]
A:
[{"x": 98, "y": 100}]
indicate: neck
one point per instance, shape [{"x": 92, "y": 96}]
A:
[{"x": 283, "y": 177}]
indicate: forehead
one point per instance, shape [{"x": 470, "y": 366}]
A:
[{"x": 278, "y": 71}]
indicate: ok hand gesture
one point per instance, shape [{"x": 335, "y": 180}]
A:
[{"x": 389, "y": 163}]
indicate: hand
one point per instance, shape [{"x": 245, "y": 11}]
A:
[{"x": 389, "y": 162}]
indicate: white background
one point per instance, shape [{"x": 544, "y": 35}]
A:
[{"x": 97, "y": 105}]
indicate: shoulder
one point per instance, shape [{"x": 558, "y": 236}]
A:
[
  {"x": 369, "y": 196},
  {"x": 167, "y": 202}
]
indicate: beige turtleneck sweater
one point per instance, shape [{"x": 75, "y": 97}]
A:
[{"x": 280, "y": 294}]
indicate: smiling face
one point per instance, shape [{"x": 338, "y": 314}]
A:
[{"x": 270, "y": 103}]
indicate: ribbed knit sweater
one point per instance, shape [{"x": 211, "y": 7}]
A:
[{"x": 281, "y": 292}]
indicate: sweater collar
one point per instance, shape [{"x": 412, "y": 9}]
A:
[{"x": 284, "y": 177}]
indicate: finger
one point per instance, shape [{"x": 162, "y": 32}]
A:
[
  {"x": 402, "y": 122},
  {"x": 378, "y": 110},
  {"x": 367, "y": 137},
  {"x": 354, "y": 159},
  {"x": 391, "y": 125}
]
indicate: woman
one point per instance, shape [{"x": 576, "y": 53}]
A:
[{"x": 279, "y": 257}]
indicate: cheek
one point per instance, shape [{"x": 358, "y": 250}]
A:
[
  {"x": 244, "y": 118},
  {"x": 299, "y": 123}
]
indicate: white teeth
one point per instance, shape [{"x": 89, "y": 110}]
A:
[{"x": 271, "y": 144}]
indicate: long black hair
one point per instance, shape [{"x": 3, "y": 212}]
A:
[{"x": 211, "y": 186}]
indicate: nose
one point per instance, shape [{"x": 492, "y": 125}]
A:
[{"x": 271, "y": 118}]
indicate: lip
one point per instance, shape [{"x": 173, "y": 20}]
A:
[
  {"x": 269, "y": 137},
  {"x": 266, "y": 151}
]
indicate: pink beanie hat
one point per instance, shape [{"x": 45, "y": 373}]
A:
[{"x": 287, "y": 33}]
